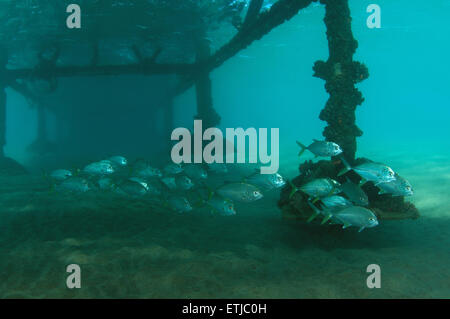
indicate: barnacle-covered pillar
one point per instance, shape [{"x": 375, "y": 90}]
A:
[
  {"x": 203, "y": 86},
  {"x": 341, "y": 74}
]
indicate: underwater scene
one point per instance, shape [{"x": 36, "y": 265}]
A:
[{"x": 224, "y": 149}]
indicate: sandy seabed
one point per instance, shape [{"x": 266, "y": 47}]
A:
[{"x": 134, "y": 249}]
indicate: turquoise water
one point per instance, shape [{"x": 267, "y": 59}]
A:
[{"x": 133, "y": 248}]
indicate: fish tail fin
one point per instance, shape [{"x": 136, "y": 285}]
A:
[
  {"x": 326, "y": 218},
  {"x": 311, "y": 218},
  {"x": 315, "y": 214},
  {"x": 303, "y": 148},
  {"x": 346, "y": 169},
  {"x": 293, "y": 190}
]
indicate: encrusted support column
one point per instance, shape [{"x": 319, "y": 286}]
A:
[
  {"x": 341, "y": 74},
  {"x": 203, "y": 86}
]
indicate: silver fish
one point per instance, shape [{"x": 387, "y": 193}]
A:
[
  {"x": 335, "y": 202},
  {"x": 60, "y": 174},
  {"x": 240, "y": 192},
  {"x": 355, "y": 193},
  {"x": 105, "y": 183},
  {"x": 224, "y": 207},
  {"x": 74, "y": 184},
  {"x": 356, "y": 216},
  {"x": 370, "y": 171},
  {"x": 332, "y": 204},
  {"x": 267, "y": 181},
  {"x": 132, "y": 188},
  {"x": 169, "y": 181},
  {"x": 140, "y": 180},
  {"x": 118, "y": 160},
  {"x": 99, "y": 168},
  {"x": 195, "y": 171},
  {"x": 398, "y": 187},
  {"x": 317, "y": 188},
  {"x": 179, "y": 204},
  {"x": 172, "y": 169},
  {"x": 184, "y": 182},
  {"x": 321, "y": 148},
  {"x": 148, "y": 171}
]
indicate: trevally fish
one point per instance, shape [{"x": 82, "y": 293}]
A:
[
  {"x": 267, "y": 181},
  {"x": 172, "y": 169},
  {"x": 183, "y": 182},
  {"x": 195, "y": 171},
  {"x": 99, "y": 168},
  {"x": 355, "y": 193},
  {"x": 356, "y": 216},
  {"x": 370, "y": 171},
  {"x": 105, "y": 183},
  {"x": 170, "y": 182},
  {"x": 60, "y": 174},
  {"x": 147, "y": 171},
  {"x": 74, "y": 184},
  {"x": 332, "y": 204},
  {"x": 140, "y": 180},
  {"x": 397, "y": 187},
  {"x": 317, "y": 188},
  {"x": 240, "y": 192},
  {"x": 224, "y": 207},
  {"x": 321, "y": 148},
  {"x": 335, "y": 201},
  {"x": 118, "y": 160},
  {"x": 179, "y": 204},
  {"x": 132, "y": 188}
]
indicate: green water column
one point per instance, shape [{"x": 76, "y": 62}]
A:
[{"x": 341, "y": 74}]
